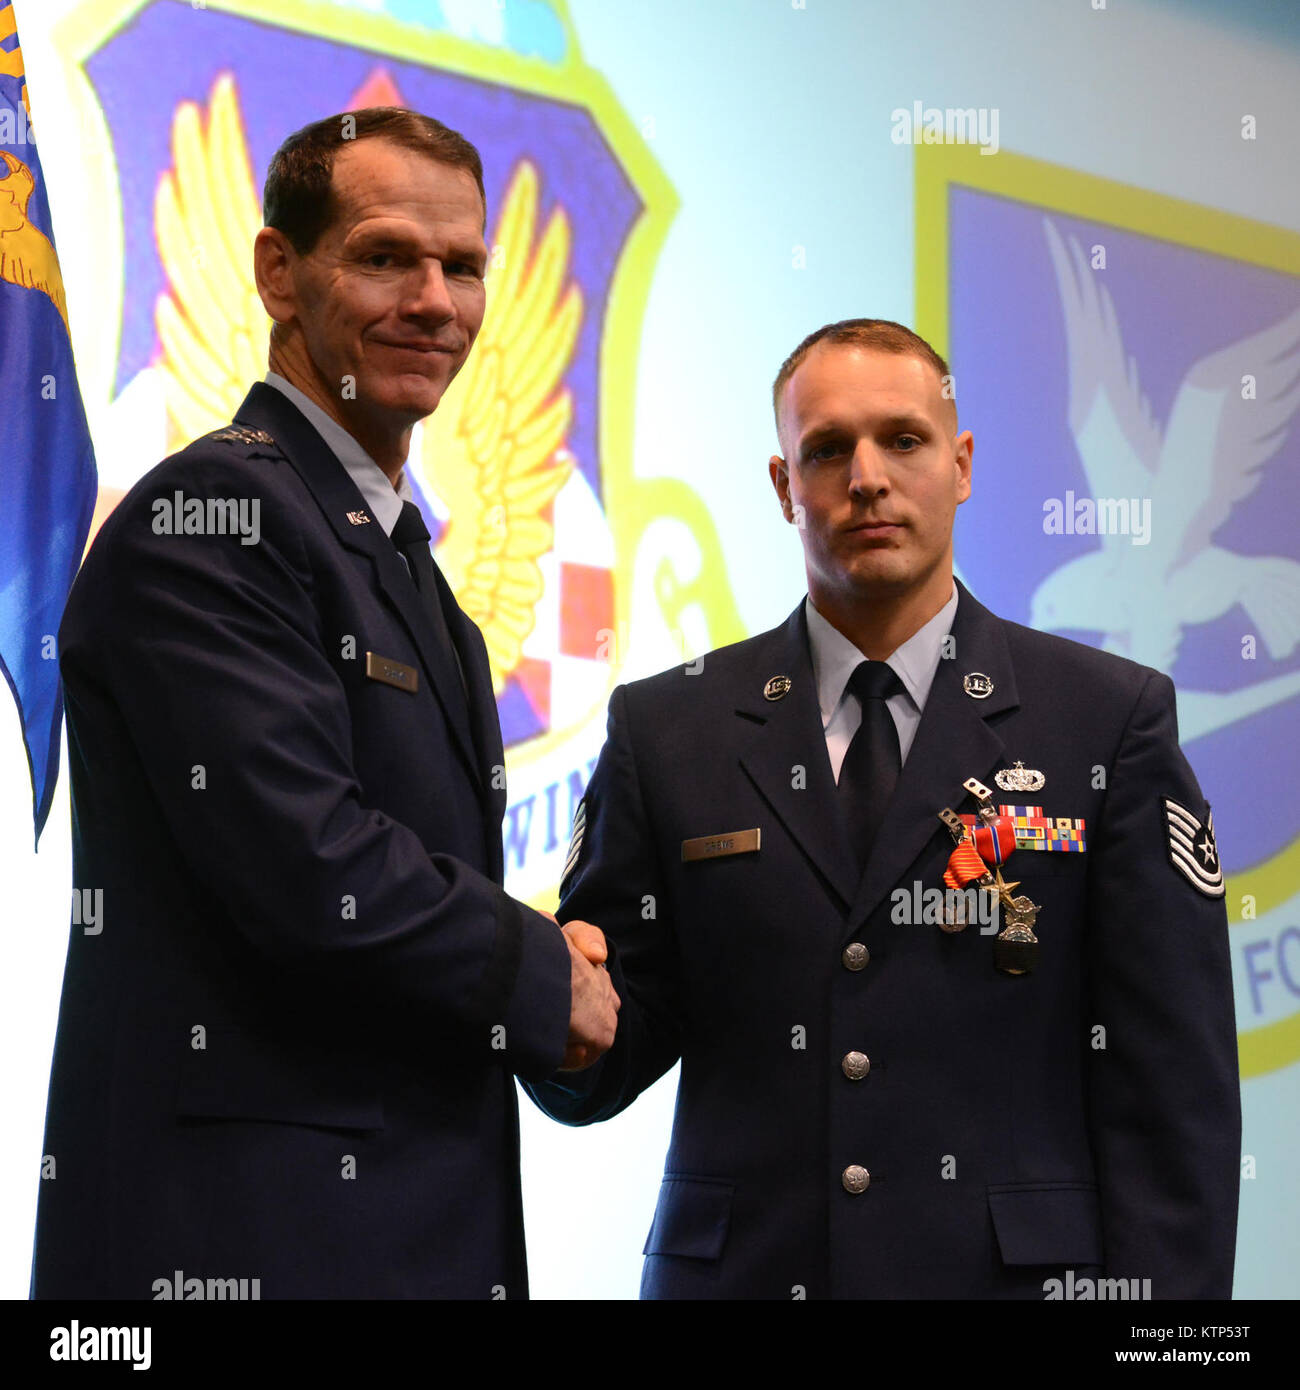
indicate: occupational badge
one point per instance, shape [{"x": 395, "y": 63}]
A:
[{"x": 1020, "y": 779}]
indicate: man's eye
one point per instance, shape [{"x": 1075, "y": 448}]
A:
[
  {"x": 908, "y": 443},
  {"x": 461, "y": 268},
  {"x": 379, "y": 260},
  {"x": 823, "y": 452}
]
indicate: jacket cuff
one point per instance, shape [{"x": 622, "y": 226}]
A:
[{"x": 536, "y": 1017}]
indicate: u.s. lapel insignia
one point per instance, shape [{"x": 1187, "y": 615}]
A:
[
  {"x": 1020, "y": 779},
  {"x": 977, "y": 685},
  {"x": 358, "y": 518},
  {"x": 777, "y": 688},
  {"x": 1192, "y": 850},
  {"x": 575, "y": 842}
]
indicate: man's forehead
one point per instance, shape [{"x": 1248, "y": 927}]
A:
[
  {"x": 390, "y": 181},
  {"x": 833, "y": 375},
  {"x": 839, "y": 363}
]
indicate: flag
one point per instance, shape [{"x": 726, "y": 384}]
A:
[{"x": 47, "y": 464}]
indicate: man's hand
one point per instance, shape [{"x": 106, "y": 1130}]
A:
[{"x": 593, "y": 1014}]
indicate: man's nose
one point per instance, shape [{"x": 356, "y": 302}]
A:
[
  {"x": 867, "y": 472},
  {"x": 428, "y": 295}
]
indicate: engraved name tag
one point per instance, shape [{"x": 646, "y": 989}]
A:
[
  {"x": 714, "y": 846},
  {"x": 384, "y": 668}
]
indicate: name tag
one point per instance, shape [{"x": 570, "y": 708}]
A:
[
  {"x": 384, "y": 668},
  {"x": 715, "y": 846}
]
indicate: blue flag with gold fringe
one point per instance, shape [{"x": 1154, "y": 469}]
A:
[{"x": 47, "y": 464}]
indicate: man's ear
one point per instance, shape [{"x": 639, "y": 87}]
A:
[
  {"x": 274, "y": 260},
  {"x": 780, "y": 476},
  {"x": 965, "y": 450}
]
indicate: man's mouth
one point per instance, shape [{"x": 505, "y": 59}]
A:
[{"x": 418, "y": 346}]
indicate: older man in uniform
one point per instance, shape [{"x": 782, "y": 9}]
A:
[
  {"x": 286, "y": 1060},
  {"x": 926, "y": 903}
]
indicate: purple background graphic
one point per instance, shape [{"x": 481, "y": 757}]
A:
[
  {"x": 285, "y": 80},
  {"x": 1174, "y": 304}
]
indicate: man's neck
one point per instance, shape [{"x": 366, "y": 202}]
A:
[
  {"x": 879, "y": 625},
  {"x": 389, "y": 451}
]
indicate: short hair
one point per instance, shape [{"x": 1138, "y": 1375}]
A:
[
  {"x": 880, "y": 335},
  {"x": 298, "y": 197}
]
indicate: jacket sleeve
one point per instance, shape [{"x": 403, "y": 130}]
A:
[
  {"x": 617, "y": 883},
  {"x": 1164, "y": 1098},
  {"x": 213, "y": 656}
]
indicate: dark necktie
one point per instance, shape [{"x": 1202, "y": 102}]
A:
[
  {"x": 871, "y": 764},
  {"x": 411, "y": 536}
]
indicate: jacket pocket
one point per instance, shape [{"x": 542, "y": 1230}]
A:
[
  {"x": 1047, "y": 1223},
  {"x": 233, "y": 1079},
  {"x": 691, "y": 1218}
]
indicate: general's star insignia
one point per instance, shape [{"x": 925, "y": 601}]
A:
[{"x": 242, "y": 434}]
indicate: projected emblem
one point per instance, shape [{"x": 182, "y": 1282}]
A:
[
  {"x": 524, "y": 472},
  {"x": 1130, "y": 366}
]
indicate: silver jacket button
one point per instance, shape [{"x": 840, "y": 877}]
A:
[{"x": 855, "y": 1179}]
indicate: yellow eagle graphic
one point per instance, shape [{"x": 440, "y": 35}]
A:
[
  {"x": 493, "y": 451},
  {"x": 26, "y": 256}
]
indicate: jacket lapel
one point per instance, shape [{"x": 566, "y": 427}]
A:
[
  {"x": 953, "y": 741},
  {"x": 780, "y": 737},
  {"x": 336, "y": 494},
  {"x": 485, "y": 725}
]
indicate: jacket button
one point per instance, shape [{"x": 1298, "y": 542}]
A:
[
  {"x": 855, "y": 956},
  {"x": 855, "y": 1065},
  {"x": 855, "y": 1179}
]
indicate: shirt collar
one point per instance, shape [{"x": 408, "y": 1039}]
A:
[
  {"x": 372, "y": 482},
  {"x": 834, "y": 657}
]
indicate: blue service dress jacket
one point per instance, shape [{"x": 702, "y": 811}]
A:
[
  {"x": 867, "y": 1107},
  {"x": 287, "y": 1050}
]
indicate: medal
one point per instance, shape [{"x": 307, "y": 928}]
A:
[
  {"x": 965, "y": 867},
  {"x": 1015, "y": 949},
  {"x": 989, "y": 837}
]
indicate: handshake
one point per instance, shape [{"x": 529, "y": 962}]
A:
[{"x": 593, "y": 1010}]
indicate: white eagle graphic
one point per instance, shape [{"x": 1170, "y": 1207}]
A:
[{"x": 1209, "y": 457}]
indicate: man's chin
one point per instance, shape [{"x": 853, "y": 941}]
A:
[
  {"x": 880, "y": 574},
  {"x": 411, "y": 401}
]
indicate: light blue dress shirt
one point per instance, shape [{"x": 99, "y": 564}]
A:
[
  {"x": 385, "y": 500},
  {"x": 834, "y": 658}
]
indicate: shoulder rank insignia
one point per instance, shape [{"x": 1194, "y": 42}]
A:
[
  {"x": 575, "y": 842},
  {"x": 241, "y": 434},
  {"x": 1192, "y": 850}
]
